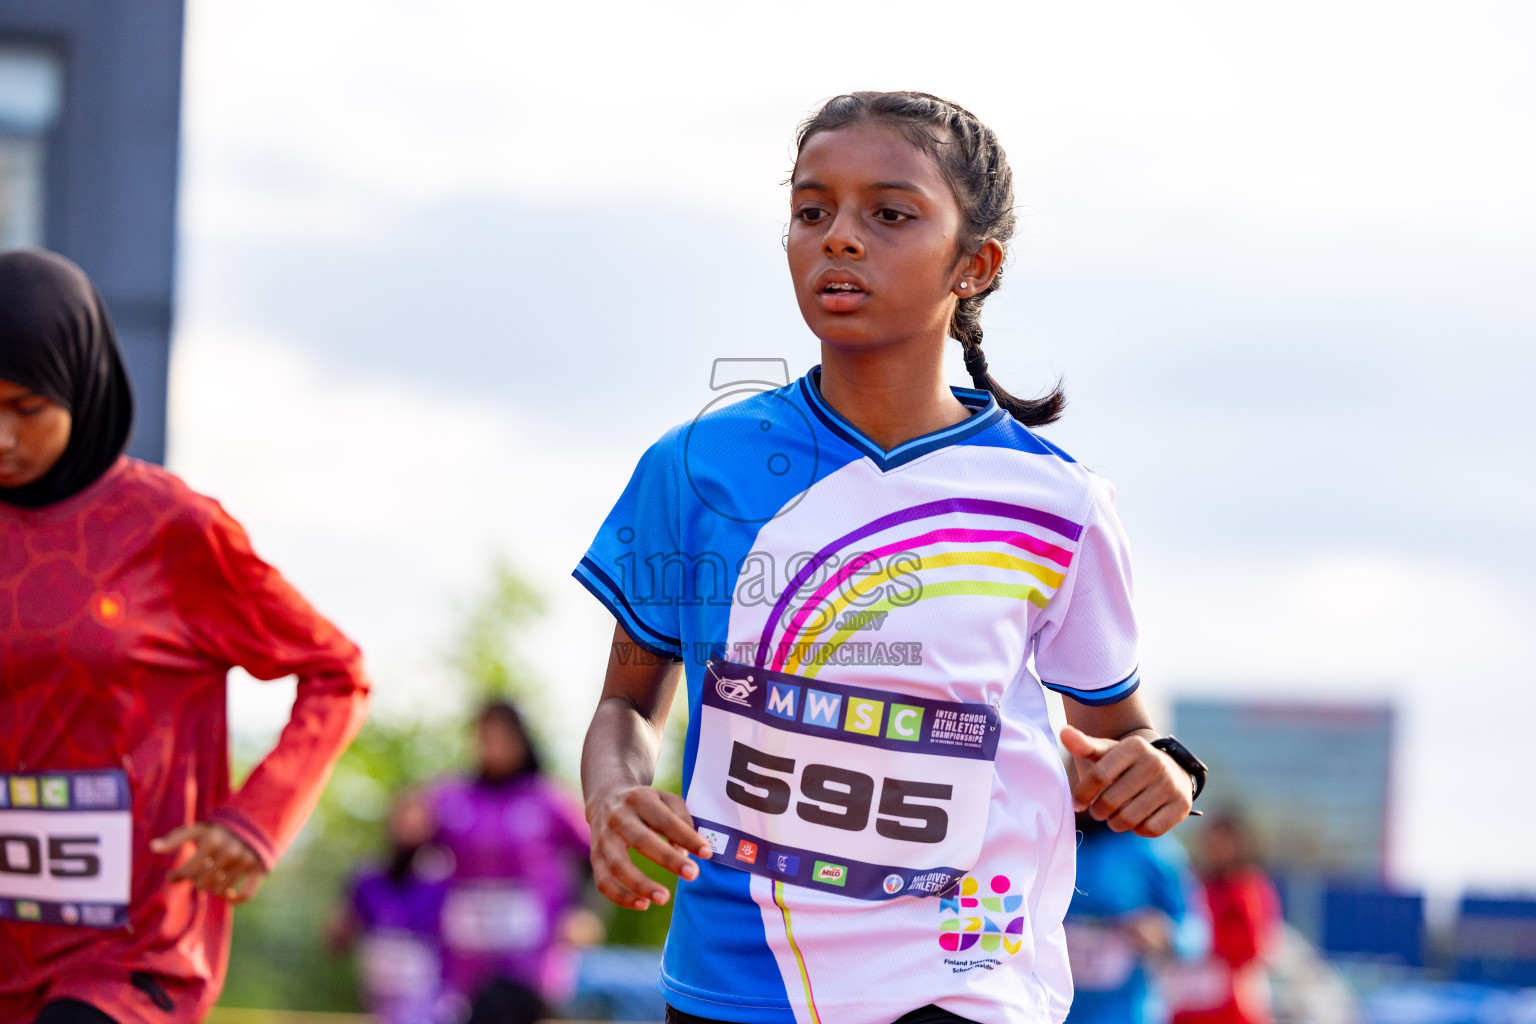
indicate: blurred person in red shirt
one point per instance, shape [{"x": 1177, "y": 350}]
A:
[
  {"x": 1231, "y": 987},
  {"x": 125, "y": 598}
]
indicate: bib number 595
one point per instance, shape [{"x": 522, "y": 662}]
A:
[{"x": 837, "y": 797}]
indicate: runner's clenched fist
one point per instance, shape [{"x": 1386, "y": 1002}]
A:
[{"x": 1127, "y": 783}]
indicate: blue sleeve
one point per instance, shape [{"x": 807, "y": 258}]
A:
[
  {"x": 1172, "y": 888},
  {"x": 637, "y": 540}
]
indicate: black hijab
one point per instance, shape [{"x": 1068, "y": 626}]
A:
[{"x": 56, "y": 340}]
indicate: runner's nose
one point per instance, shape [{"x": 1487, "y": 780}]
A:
[{"x": 842, "y": 238}]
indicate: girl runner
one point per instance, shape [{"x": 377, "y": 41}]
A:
[
  {"x": 392, "y": 917},
  {"x": 125, "y": 598},
  {"x": 518, "y": 845},
  {"x": 865, "y": 573},
  {"x": 1232, "y": 985}
]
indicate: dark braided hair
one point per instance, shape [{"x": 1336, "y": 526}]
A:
[{"x": 976, "y": 168}]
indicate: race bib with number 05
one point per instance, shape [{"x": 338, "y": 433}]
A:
[
  {"x": 66, "y": 847},
  {"x": 860, "y": 792}
]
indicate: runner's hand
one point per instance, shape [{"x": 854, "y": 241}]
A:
[
  {"x": 656, "y": 824},
  {"x": 1149, "y": 931},
  {"x": 1129, "y": 784},
  {"x": 221, "y": 863}
]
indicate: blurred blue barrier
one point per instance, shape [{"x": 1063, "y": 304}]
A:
[
  {"x": 1366, "y": 920},
  {"x": 618, "y": 983},
  {"x": 1496, "y": 941}
]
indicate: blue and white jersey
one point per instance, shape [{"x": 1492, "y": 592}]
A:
[{"x": 865, "y": 635}]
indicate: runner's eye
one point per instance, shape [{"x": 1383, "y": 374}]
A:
[
  {"x": 890, "y": 216},
  {"x": 810, "y": 215}
]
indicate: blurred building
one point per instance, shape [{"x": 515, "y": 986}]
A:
[
  {"x": 90, "y": 104},
  {"x": 1311, "y": 780},
  {"x": 1313, "y": 783}
]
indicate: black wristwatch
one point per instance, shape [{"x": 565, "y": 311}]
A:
[{"x": 1184, "y": 759}]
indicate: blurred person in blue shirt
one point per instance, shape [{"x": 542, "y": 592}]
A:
[{"x": 1136, "y": 903}]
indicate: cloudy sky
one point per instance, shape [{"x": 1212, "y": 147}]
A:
[{"x": 447, "y": 268}]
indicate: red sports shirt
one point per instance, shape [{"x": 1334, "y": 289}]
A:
[
  {"x": 122, "y": 609},
  {"x": 1245, "y": 925}
]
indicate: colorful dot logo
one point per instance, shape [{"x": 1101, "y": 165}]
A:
[{"x": 970, "y": 919}]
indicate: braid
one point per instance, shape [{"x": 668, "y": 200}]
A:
[
  {"x": 1032, "y": 412},
  {"x": 976, "y": 168}
]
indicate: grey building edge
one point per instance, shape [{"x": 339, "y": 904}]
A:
[{"x": 112, "y": 170}]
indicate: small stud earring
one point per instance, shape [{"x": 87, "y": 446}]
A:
[{"x": 964, "y": 284}]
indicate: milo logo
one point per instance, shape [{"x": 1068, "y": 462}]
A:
[{"x": 830, "y": 874}]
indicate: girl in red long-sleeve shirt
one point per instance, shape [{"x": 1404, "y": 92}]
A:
[
  {"x": 1231, "y": 988},
  {"x": 125, "y": 598}
]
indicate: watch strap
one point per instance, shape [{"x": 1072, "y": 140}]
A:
[{"x": 1184, "y": 758}]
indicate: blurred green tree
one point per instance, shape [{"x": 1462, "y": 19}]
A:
[{"x": 485, "y": 652}]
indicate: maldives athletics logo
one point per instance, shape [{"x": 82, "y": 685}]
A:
[{"x": 969, "y": 919}]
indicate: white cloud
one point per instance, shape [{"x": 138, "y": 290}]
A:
[{"x": 1352, "y": 111}]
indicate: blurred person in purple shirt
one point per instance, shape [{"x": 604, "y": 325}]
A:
[
  {"x": 391, "y": 918},
  {"x": 513, "y": 908}
]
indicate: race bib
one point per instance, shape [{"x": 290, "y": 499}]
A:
[
  {"x": 1204, "y": 985},
  {"x": 398, "y": 965},
  {"x": 1101, "y": 956},
  {"x": 66, "y": 847},
  {"x": 492, "y": 917},
  {"x": 863, "y": 793}
]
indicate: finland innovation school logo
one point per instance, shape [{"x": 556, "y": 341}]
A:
[
  {"x": 967, "y": 918},
  {"x": 775, "y": 454}
]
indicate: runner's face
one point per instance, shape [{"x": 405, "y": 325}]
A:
[
  {"x": 34, "y": 431},
  {"x": 873, "y": 238},
  {"x": 410, "y": 821},
  {"x": 1220, "y": 847},
  {"x": 501, "y": 751}
]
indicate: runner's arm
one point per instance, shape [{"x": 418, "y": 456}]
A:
[
  {"x": 1121, "y": 778},
  {"x": 618, "y": 765},
  {"x": 242, "y": 612}
]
